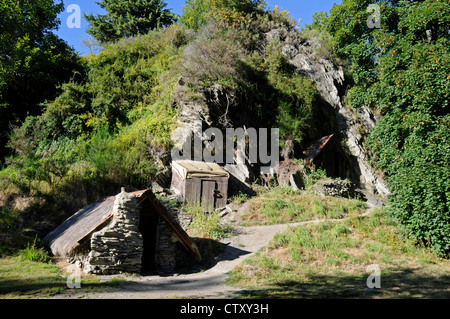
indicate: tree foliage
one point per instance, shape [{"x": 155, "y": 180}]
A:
[
  {"x": 197, "y": 13},
  {"x": 401, "y": 71},
  {"x": 103, "y": 127},
  {"x": 33, "y": 61},
  {"x": 125, "y": 18}
]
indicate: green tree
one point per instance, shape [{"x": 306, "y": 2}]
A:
[
  {"x": 194, "y": 14},
  {"x": 401, "y": 71},
  {"x": 126, "y": 18},
  {"x": 319, "y": 21},
  {"x": 33, "y": 61},
  {"x": 197, "y": 13}
]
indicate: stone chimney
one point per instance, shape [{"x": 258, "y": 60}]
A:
[{"x": 118, "y": 247}]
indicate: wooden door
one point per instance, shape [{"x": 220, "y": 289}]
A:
[{"x": 208, "y": 197}]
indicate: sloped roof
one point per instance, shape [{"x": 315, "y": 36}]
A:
[
  {"x": 189, "y": 169},
  {"x": 92, "y": 218},
  {"x": 84, "y": 222}
]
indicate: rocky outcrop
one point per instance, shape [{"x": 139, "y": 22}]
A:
[
  {"x": 290, "y": 174},
  {"x": 330, "y": 83},
  {"x": 349, "y": 126}
]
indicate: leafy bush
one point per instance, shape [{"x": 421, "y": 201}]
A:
[
  {"x": 224, "y": 13},
  {"x": 209, "y": 61},
  {"x": 419, "y": 178},
  {"x": 207, "y": 225},
  {"x": 239, "y": 198},
  {"x": 194, "y": 14},
  {"x": 281, "y": 18},
  {"x": 401, "y": 70},
  {"x": 312, "y": 176},
  {"x": 9, "y": 220}
]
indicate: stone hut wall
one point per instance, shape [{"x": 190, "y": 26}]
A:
[
  {"x": 118, "y": 247},
  {"x": 166, "y": 246}
]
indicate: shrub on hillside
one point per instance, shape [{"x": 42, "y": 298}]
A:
[
  {"x": 34, "y": 253},
  {"x": 401, "y": 71},
  {"x": 224, "y": 13},
  {"x": 104, "y": 129}
]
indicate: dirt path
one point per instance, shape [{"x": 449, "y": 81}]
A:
[{"x": 207, "y": 284}]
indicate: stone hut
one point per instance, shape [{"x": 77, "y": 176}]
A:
[{"x": 130, "y": 232}]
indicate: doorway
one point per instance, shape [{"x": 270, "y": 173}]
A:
[{"x": 148, "y": 226}]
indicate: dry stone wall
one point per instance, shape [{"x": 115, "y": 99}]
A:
[
  {"x": 166, "y": 247},
  {"x": 331, "y": 187},
  {"x": 118, "y": 247}
]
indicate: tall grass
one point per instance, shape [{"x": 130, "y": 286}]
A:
[
  {"x": 283, "y": 205},
  {"x": 207, "y": 225},
  {"x": 330, "y": 259},
  {"x": 34, "y": 253}
]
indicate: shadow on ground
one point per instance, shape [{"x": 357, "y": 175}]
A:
[
  {"x": 212, "y": 252},
  {"x": 49, "y": 286},
  {"x": 401, "y": 284}
]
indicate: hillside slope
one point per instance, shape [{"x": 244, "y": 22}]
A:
[{"x": 115, "y": 123}]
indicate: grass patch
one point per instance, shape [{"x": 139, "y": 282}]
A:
[
  {"x": 206, "y": 225},
  {"x": 283, "y": 205},
  {"x": 22, "y": 278},
  {"x": 239, "y": 198},
  {"x": 329, "y": 260}
]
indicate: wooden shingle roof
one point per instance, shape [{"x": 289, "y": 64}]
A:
[{"x": 92, "y": 218}]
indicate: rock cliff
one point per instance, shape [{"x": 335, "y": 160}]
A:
[
  {"x": 351, "y": 124},
  {"x": 333, "y": 117}
]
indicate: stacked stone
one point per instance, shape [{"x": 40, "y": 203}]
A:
[
  {"x": 118, "y": 247},
  {"x": 165, "y": 248},
  {"x": 336, "y": 188},
  {"x": 183, "y": 218}
]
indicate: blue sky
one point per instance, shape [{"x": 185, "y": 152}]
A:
[{"x": 299, "y": 9}]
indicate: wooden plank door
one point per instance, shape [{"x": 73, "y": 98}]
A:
[{"x": 208, "y": 197}]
